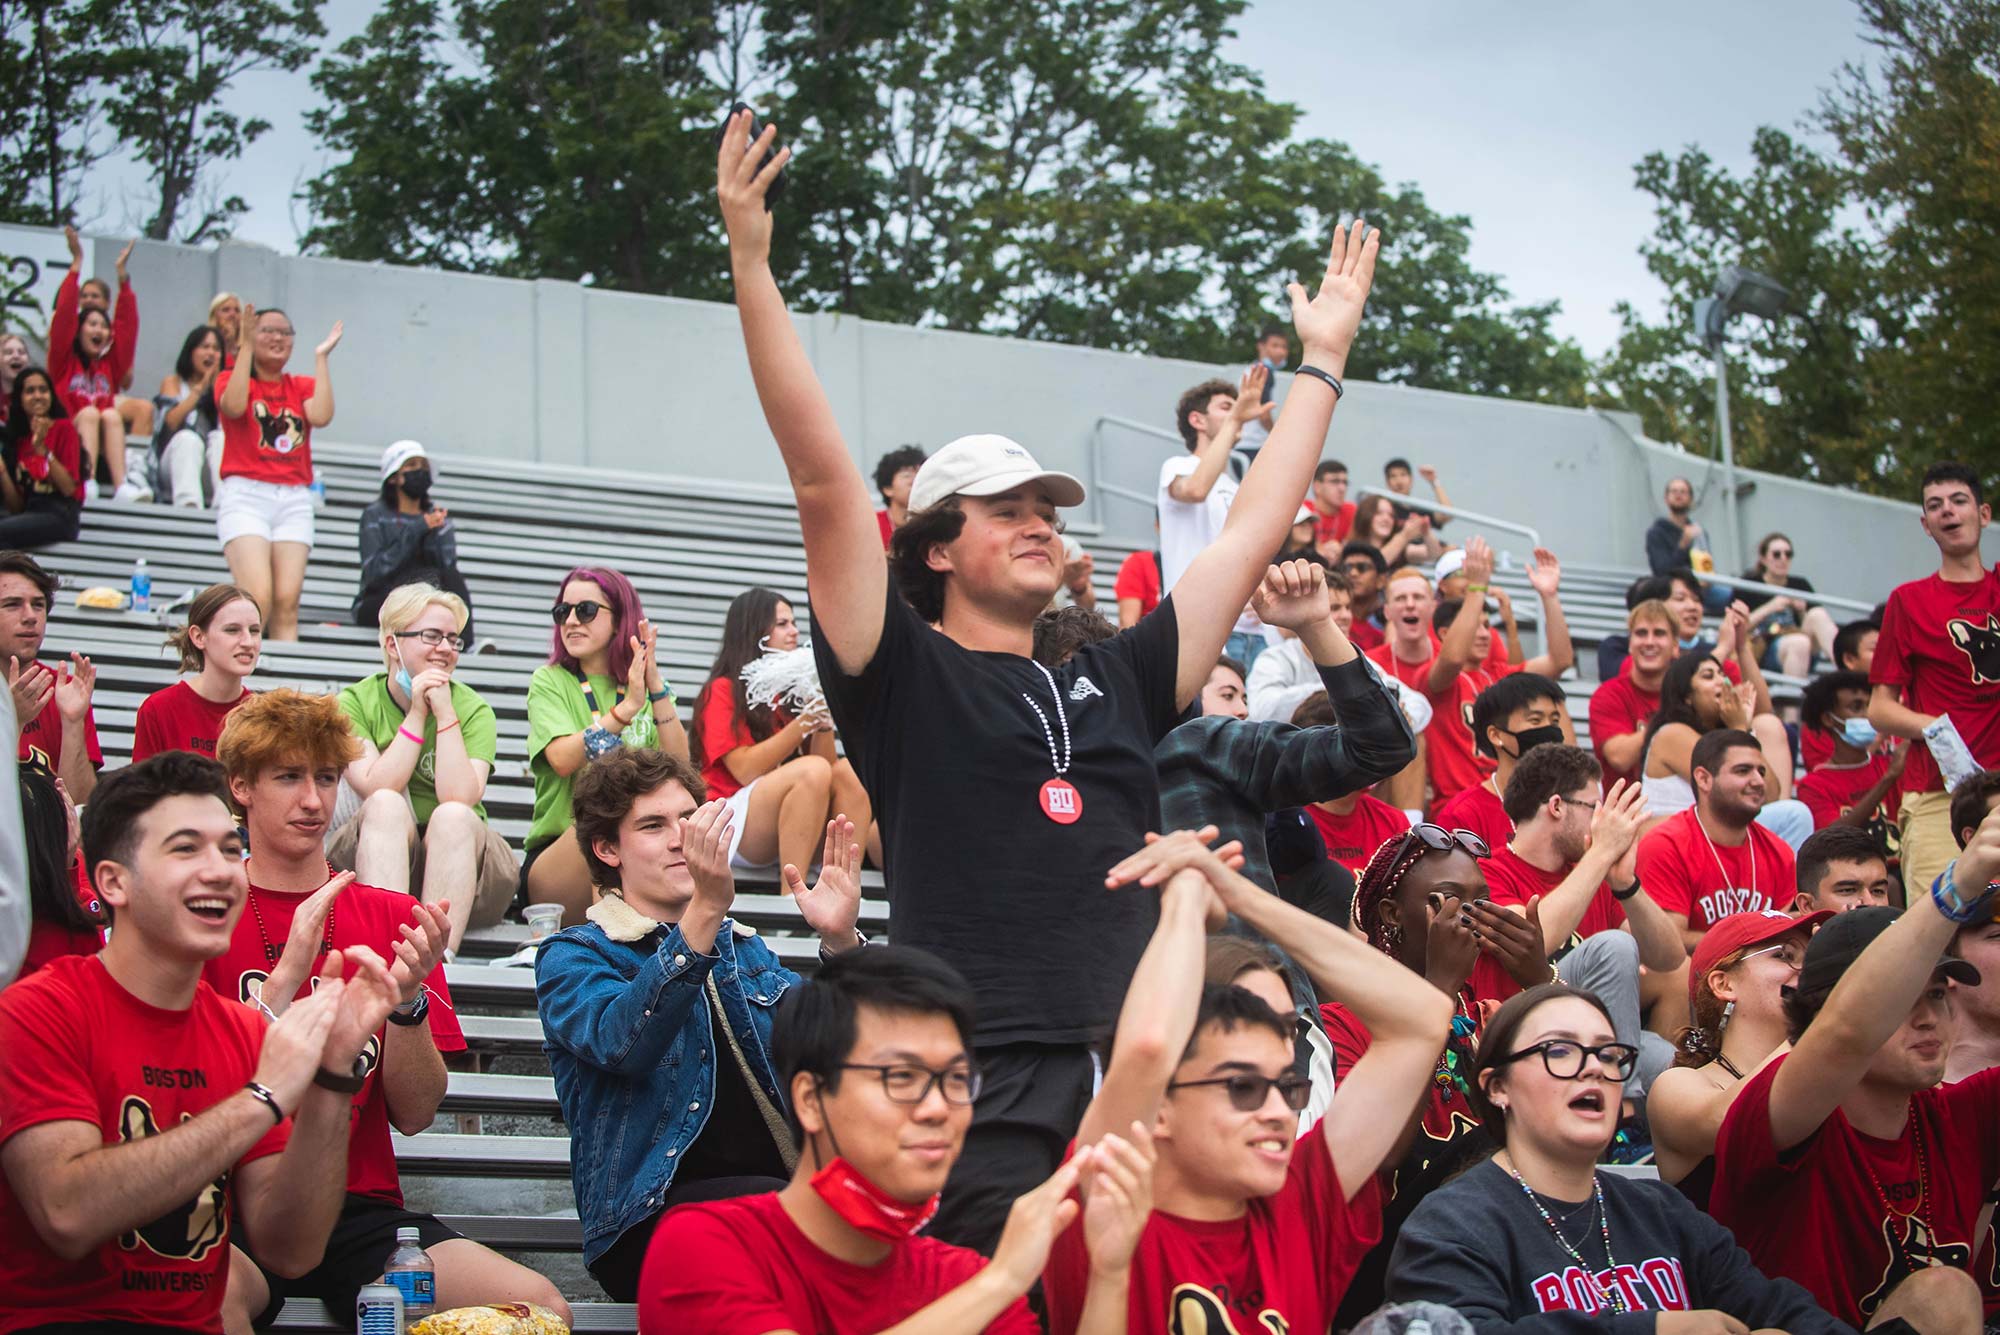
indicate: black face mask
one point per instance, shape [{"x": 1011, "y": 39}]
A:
[
  {"x": 1527, "y": 739},
  {"x": 416, "y": 483}
]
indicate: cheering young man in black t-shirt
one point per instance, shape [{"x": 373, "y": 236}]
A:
[{"x": 1006, "y": 790}]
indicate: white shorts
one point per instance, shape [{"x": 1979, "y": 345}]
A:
[
  {"x": 247, "y": 508},
  {"x": 739, "y": 818}
]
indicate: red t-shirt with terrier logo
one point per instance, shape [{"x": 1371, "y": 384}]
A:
[{"x": 271, "y": 441}]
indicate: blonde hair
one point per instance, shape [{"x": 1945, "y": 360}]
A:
[
  {"x": 207, "y": 605},
  {"x": 406, "y": 602},
  {"x": 218, "y": 299},
  {"x": 1654, "y": 610}
]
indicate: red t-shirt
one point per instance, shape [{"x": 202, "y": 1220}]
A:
[
  {"x": 1618, "y": 707},
  {"x": 1366, "y": 637},
  {"x": 80, "y": 384},
  {"x": 1352, "y": 839},
  {"x": 180, "y": 718},
  {"x": 1332, "y": 527},
  {"x": 80, "y": 1048},
  {"x": 29, "y": 467},
  {"x": 51, "y": 941},
  {"x": 1686, "y": 872},
  {"x": 1940, "y": 642},
  {"x": 1478, "y": 810},
  {"x": 41, "y": 736},
  {"x": 742, "y": 1267},
  {"x": 271, "y": 441},
  {"x": 362, "y": 916},
  {"x": 1449, "y": 758},
  {"x": 1139, "y": 577},
  {"x": 1815, "y": 1214},
  {"x": 887, "y": 525},
  {"x": 1815, "y": 747},
  {"x": 1512, "y": 879},
  {"x": 1280, "y": 1266},
  {"x": 721, "y": 732},
  {"x": 1831, "y": 789}
]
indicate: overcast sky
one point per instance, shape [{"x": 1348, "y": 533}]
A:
[{"x": 1527, "y": 117}]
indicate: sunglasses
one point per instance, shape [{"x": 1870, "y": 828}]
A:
[
  {"x": 586, "y": 611},
  {"x": 1248, "y": 1092},
  {"x": 1440, "y": 840},
  {"x": 1564, "y": 1059}
]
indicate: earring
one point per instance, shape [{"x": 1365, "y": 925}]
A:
[
  {"x": 1392, "y": 939},
  {"x": 1728, "y": 1010}
]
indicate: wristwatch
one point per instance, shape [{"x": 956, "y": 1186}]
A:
[
  {"x": 412, "y": 1012},
  {"x": 343, "y": 1084},
  {"x": 1622, "y": 895}
]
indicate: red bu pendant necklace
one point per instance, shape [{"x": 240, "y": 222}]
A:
[{"x": 1060, "y": 800}]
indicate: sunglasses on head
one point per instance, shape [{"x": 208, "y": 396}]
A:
[
  {"x": 1440, "y": 840},
  {"x": 1248, "y": 1091},
  {"x": 586, "y": 611}
]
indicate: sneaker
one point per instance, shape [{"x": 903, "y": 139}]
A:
[
  {"x": 90, "y": 489},
  {"x": 130, "y": 492}
]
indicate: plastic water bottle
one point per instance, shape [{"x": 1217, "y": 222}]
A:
[
  {"x": 414, "y": 1274},
  {"x": 378, "y": 1310},
  {"x": 142, "y": 587},
  {"x": 318, "y": 490}
]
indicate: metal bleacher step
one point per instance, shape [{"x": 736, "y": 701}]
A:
[{"x": 310, "y": 1314}]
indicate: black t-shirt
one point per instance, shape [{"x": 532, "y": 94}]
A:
[
  {"x": 734, "y": 1141},
  {"x": 954, "y": 761}
]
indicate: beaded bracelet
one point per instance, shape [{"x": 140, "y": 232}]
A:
[
  {"x": 599, "y": 740},
  {"x": 1957, "y": 910}
]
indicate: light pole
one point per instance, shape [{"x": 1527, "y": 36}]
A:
[{"x": 1738, "y": 291}]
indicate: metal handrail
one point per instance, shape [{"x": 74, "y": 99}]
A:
[
  {"x": 1755, "y": 586},
  {"x": 1533, "y": 535},
  {"x": 1097, "y": 484}
]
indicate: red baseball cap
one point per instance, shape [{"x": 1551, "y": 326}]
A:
[{"x": 1740, "y": 931}]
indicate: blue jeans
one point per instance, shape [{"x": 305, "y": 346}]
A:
[{"x": 1244, "y": 646}]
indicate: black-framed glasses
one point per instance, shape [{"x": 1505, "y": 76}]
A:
[
  {"x": 913, "y": 1084},
  {"x": 1440, "y": 840},
  {"x": 1363, "y": 567},
  {"x": 1248, "y": 1090},
  {"x": 1564, "y": 1059},
  {"x": 432, "y": 637},
  {"x": 586, "y": 611},
  {"x": 1579, "y": 802}
]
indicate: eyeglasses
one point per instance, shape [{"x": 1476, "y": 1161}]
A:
[
  {"x": 1248, "y": 1092},
  {"x": 1440, "y": 840},
  {"x": 586, "y": 611},
  {"x": 1579, "y": 802},
  {"x": 1787, "y": 953},
  {"x": 1358, "y": 567},
  {"x": 273, "y": 333},
  {"x": 1777, "y": 553},
  {"x": 1564, "y": 1059},
  {"x": 432, "y": 638},
  {"x": 913, "y": 1084}
]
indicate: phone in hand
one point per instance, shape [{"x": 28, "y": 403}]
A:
[{"x": 756, "y": 128}]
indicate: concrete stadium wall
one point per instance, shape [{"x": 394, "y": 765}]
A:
[{"x": 559, "y": 373}]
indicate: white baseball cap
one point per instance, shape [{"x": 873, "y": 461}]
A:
[
  {"x": 986, "y": 466},
  {"x": 399, "y": 454},
  {"x": 1449, "y": 564}
]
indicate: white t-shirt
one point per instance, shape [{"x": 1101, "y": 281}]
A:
[{"x": 1186, "y": 528}]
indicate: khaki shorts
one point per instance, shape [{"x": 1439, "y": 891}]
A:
[
  {"x": 496, "y": 875},
  {"x": 1925, "y": 822}
]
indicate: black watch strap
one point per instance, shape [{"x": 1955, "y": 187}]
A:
[
  {"x": 1339, "y": 390},
  {"x": 1622, "y": 895},
  {"x": 343, "y": 1084},
  {"x": 420, "y": 1008}
]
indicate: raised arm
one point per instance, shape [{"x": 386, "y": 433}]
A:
[
  {"x": 1213, "y": 456},
  {"x": 1545, "y": 574},
  {"x": 1874, "y": 997},
  {"x": 319, "y": 404},
  {"x": 1211, "y": 593},
  {"x": 847, "y": 574},
  {"x": 1454, "y": 653},
  {"x": 234, "y": 400}
]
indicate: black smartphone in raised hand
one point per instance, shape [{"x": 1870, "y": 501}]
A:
[{"x": 756, "y": 128}]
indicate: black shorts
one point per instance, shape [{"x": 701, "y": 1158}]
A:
[
  {"x": 362, "y": 1239},
  {"x": 1031, "y": 1099}
]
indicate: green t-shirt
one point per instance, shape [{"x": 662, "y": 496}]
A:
[
  {"x": 376, "y": 716},
  {"x": 556, "y": 708}
]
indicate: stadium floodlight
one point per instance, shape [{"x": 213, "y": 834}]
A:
[{"x": 1738, "y": 291}]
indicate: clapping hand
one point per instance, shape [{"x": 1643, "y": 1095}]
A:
[
  {"x": 246, "y": 326},
  {"x": 1034, "y": 1223},
  {"x": 1615, "y": 825},
  {"x": 331, "y": 341},
  {"x": 833, "y": 903},
  {"x": 74, "y": 687},
  {"x": 1118, "y": 1198},
  {"x": 294, "y": 1042},
  {"x": 123, "y": 256},
  {"x": 1545, "y": 573},
  {"x": 1326, "y": 322},
  {"x": 705, "y": 847},
  {"x": 32, "y": 686},
  {"x": 420, "y": 948},
  {"x": 302, "y": 944},
  {"x": 1478, "y": 561},
  {"x": 742, "y": 177},
  {"x": 1250, "y": 393},
  {"x": 1292, "y": 596},
  {"x": 371, "y": 993}
]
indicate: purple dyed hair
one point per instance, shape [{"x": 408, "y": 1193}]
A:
[{"x": 626, "y": 613}]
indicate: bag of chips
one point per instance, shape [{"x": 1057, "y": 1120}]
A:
[{"x": 492, "y": 1319}]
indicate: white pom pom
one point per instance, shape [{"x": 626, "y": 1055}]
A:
[{"x": 786, "y": 678}]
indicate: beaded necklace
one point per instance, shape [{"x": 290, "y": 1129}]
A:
[
  {"x": 1611, "y": 1296},
  {"x": 271, "y": 951},
  {"x": 1922, "y": 1210}
]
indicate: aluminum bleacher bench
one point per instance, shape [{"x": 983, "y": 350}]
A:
[
  {"x": 304, "y": 1314},
  {"x": 520, "y": 1233},
  {"x": 473, "y": 1092},
  {"x": 442, "y": 1154}
]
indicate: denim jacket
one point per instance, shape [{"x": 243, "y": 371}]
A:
[{"x": 625, "y": 1018}]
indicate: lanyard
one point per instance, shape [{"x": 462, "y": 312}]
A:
[{"x": 1749, "y": 848}]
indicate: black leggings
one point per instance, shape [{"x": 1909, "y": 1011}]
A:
[{"x": 41, "y": 524}]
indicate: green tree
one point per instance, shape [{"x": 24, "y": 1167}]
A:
[
  {"x": 1883, "y": 219},
  {"x": 1081, "y": 171},
  {"x": 48, "y": 110}
]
